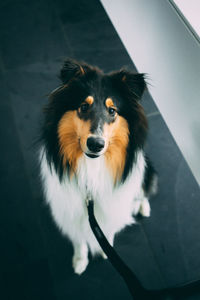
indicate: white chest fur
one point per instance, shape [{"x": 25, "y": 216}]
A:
[{"x": 113, "y": 207}]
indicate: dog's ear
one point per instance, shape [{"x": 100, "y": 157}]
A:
[
  {"x": 132, "y": 83},
  {"x": 72, "y": 69}
]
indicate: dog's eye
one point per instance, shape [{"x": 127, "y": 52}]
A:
[
  {"x": 111, "y": 111},
  {"x": 84, "y": 107}
]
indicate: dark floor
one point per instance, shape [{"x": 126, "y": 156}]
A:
[{"x": 35, "y": 260}]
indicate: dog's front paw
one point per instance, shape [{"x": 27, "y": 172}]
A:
[
  {"x": 145, "y": 209},
  {"x": 79, "y": 264}
]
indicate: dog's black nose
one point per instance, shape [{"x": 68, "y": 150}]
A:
[{"x": 95, "y": 144}]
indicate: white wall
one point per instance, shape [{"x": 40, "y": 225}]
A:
[
  {"x": 191, "y": 11},
  {"x": 160, "y": 44}
]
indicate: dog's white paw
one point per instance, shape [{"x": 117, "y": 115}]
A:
[
  {"x": 136, "y": 207},
  {"x": 79, "y": 264},
  {"x": 145, "y": 209}
]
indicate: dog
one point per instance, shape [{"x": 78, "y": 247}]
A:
[{"x": 93, "y": 138}]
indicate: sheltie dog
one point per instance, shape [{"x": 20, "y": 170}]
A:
[{"x": 93, "y": 137}]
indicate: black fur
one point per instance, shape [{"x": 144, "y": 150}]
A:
[{"x": 81, "y": 80}]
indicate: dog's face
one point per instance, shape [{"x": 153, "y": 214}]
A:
[{"x": 94, "y": 114}]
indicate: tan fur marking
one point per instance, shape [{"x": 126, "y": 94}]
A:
[
  {"x": 117, "y": 135},
  {"x": 109, "y": 103},
  {"x": 124, "y": 78},
  {"x": 73, "y": 133},
  {"x": 89, "y": 100},
  {"x": 82, "y": 70}
]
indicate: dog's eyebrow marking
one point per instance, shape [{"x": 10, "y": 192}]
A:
[
  {"x": 109, "y": 102},
  {"x": 82, "y": 70},
  {"x": 89, "y": 100},
  {"x": 124, "y": 78}
]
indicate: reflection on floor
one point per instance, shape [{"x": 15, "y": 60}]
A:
[{"x": 163, "y": 250}]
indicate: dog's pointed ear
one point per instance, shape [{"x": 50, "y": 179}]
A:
[
  {"x": 72, "y": 69},
  {"x": 132, "y": 83}
]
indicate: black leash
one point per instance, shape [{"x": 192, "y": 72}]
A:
[{"x": 135, "y": 288}]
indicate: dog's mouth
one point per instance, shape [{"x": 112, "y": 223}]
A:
[{"x": 91, "y": 155}]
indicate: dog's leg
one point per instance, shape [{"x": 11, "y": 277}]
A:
[
  {"x": 141, "y": 205},
  {"x": 136, "y": 206},
  {"x": 145, "y": 209},
  {"x": 80, "y": 257}
]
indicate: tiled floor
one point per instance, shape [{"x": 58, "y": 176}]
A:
[{"x": 36, "y": 260}]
